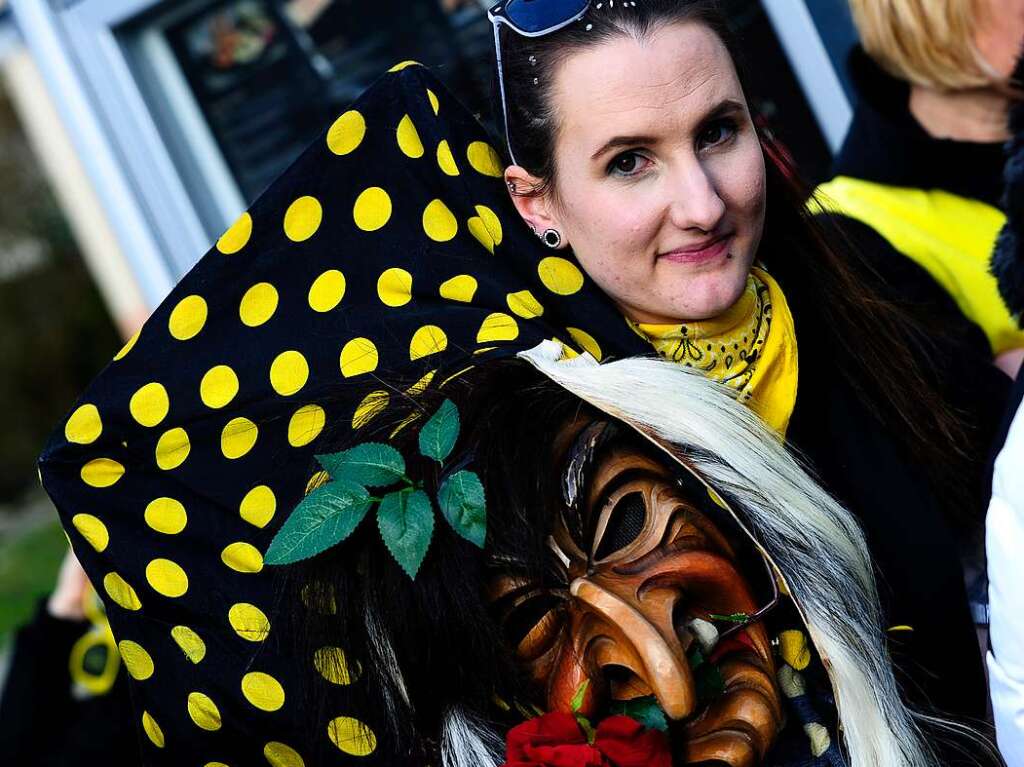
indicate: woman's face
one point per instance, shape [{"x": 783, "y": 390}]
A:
[{"x": 660, "y": 181}]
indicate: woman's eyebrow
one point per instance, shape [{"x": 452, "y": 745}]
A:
[{"x": 723, "y": 108}]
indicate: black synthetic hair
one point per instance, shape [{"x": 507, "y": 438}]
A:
[
  {"x": 1008, "y": 257},
  {"x": 837, "y": 293},
  {"x": 450, "y": 651}
]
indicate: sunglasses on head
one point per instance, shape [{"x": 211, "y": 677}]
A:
[{"x": 529, "y": 18}]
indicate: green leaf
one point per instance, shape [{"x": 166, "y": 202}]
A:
[
  {"x": 647, "y": 711},
  {"x": 730, "y": 618},
  {"x": 406, "y": 523},
  {"x": 577, "y": 699},
  {"x": 587, "y": 728},
  {"x": 438, "y": 435},
  {"x": 372, "y": 464},
  {"x": 461, "y": 499},
  {"x": 324, "y": 518}
]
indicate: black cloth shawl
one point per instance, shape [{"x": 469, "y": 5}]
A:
[{"x": 389, "y": 251}]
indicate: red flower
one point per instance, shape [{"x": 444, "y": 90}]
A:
[{"x": 556, "y": 740}]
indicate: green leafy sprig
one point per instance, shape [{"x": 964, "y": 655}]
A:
[{"x": 405, "y": 511}]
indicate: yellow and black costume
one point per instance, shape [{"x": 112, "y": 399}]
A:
[
  {"x": 387, "y": 262},
  {"x": 927, "y": 209}
]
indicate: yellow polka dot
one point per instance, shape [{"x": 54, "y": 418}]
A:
[
  {"x": 560, "y": 276},
  {"x": 242, "y": 557},
  {"x": 190, "y": 643},
  {"x": 303, "y": 218},
  {"x": 586, "y": 341},
  {"x": 524, "y": 304},
  {"x": 258, "y": 506},
  {"x": 429, "y": 339},
  {"x": 372, "y": 209},
  {"x": 358, "y": 356},
  {"x": 794, "y": 649},
  {"x": 372, "y": 404},
  {"x": 409, "y": 139},
  {"x": 403, "y": 64},
  {"x": 92, "y": 529},
  {"x": 172, "y": 449},
  {"x": 305, "y": 425},
  {"x": 128, "y": 346},
  {"x": 84, "y": 425},
  {"x": 102, "y": 472},
  {"x": 394, "y": 286},
  {"x": 237, "y": 235},
  {"x": 333, "y": 666},
  {"x": 149, "y": 405},
  {"x": 351, "y": 736},
  {"x": 249, "y": 622},
  {"x": 289, "y": 372},
  {"x": 460, "y": 288},
  {"x": 117, "y": 589},
  {"x": 263, "y": 691},
  {"x": 434, "y": 103},
  {"x": 327, "y": 291},
  {"x": 280, "y": 755},
  {"x": 497, "y": 327},
  {"x": 187, "y": 318},
  {"x": 166, "y": 515},
  {"x": 136, "y": 660},
  {"x": 204, "y": 712},
  {"x": 215, "y": 764},
  {"x": 218, "y": 387},
  {"x": 238, "y": 437},
  {"x": 439, "y": 222},
  {"x": 347, "y": 133},
  {"x": 446, "y": 160},
  {"x": 484, "y": 159},
  {"x": 319, "y": 479},
  {"x": 420, "y": 386},
  {"x": 486, "y": 227},
  {"x": 258, "y": 304},
  {"x": 166, "y": 577},
  {"x": 152, "y": 729}
]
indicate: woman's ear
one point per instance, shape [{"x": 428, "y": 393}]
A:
[{"x": 535, "y": 209}]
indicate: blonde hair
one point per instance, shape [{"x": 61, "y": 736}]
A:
[{"x": 925, "y": 42}]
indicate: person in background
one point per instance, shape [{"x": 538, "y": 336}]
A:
[
  {"x": 65, "y": 702},
  {"x": 920, "y": 171},
  {"x": 1005, "y": 521}
]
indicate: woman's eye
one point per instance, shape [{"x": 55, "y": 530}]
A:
[
  {"x": 716, "y": 133},
  {"x": 626, "y": 164}
]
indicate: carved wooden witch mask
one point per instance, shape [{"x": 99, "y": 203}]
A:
[{"x": 656, "y": 596}]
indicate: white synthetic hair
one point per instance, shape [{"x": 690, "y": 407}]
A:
[
  {"x": 466, "y": 742},
  {"x": 815, "y": 542}
]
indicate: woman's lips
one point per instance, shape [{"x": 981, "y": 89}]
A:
[{"x": 713, "y": 250}]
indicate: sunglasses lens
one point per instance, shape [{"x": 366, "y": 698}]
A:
[{"x": 533, "y": 16}]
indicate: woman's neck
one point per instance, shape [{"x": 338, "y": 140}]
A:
[{"x": 977, "y": 115}]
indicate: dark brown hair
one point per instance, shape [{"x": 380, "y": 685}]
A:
[{"x": 822, "y": 273}]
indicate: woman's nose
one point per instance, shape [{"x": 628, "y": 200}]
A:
[
  {"x": 697, "y": 204},
  {"x": 616, "y": 647}
]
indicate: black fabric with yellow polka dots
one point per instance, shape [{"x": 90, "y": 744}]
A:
[{"x": 388, "y": 251}]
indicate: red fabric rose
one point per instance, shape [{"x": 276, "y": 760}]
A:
[
  {"x": 556, "y": 740},
  {"x": 627, "y": 743}
]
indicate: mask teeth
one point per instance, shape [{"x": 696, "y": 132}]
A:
[{"x": 705, "y": 633}]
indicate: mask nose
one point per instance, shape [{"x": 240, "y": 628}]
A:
[{"x": 616, "y": 645}]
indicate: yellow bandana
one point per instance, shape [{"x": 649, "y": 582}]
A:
[{"x": 751, "y": 348}]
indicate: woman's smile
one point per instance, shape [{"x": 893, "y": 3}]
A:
[{"x": 706, "y": 253}]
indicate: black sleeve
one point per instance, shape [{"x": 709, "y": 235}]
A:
[
  {"x": 36, "y": 696},
  {"x": 956, "y": 351}
]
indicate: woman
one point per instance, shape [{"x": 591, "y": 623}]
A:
[
  {"x": 919, "y": 175},
  {"x": 177, "y": 467}
]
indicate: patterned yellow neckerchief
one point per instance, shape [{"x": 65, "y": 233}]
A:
[{"x": 750, "y": 348}]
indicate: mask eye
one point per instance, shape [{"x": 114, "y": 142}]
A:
[{"x": 625, "y": 523}]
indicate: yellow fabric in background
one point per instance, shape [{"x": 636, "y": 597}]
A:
[
  {"x": 951, "y": 237},
  {"x": 751, "y": 348}
]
